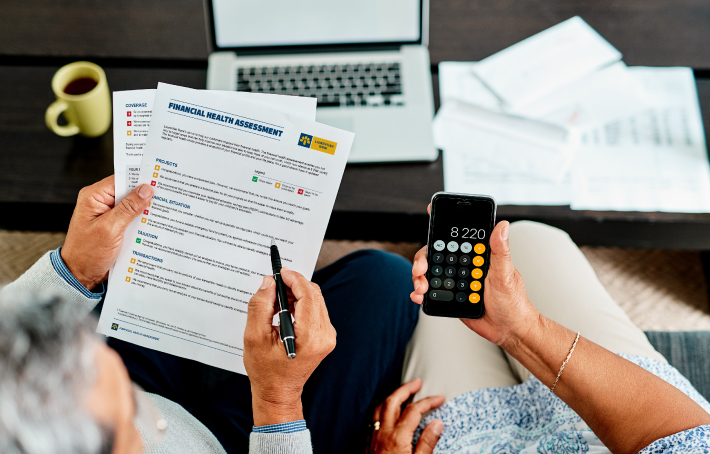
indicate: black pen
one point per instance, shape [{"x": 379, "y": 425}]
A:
[{"x": 288, "y": 337}]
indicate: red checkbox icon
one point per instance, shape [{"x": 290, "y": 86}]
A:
[
  {"x": 145, "y": 212},
  {"x": 300, "y": 191},
  {"x": 152, "y": 183},
  {"x": 129, "y": 123},
  {"x": 128, "y": 114}
]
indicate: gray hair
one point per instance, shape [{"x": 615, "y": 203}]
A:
[{"x": 47, "y": 349}]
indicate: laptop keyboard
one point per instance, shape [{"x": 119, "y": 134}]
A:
[{"x": 364, "y": 84}]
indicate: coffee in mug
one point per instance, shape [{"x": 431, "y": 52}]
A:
[{"x": 83, "y": 97}]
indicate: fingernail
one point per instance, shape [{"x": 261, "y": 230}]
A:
[
  {"x": 504, "y": 233},
  {"x": 416, "y": 286},
  {"x": 145, "y": 191},
  {"x": 414, "y": 265},
  {"x": 437, "y": 426},
  {"x": 266, "y": 283}
]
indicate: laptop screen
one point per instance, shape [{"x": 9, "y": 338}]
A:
[{"x": 275, "y": 23}]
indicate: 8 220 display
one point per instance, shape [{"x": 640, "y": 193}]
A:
[{"x": 458, "y": 253}]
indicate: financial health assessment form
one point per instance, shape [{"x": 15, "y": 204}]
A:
[{"x": 229, "y": 175}]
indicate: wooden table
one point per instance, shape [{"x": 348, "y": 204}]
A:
[{"x": 142, "y": 42}]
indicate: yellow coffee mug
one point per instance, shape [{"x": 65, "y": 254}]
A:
[{"x": 83, "y": 97}]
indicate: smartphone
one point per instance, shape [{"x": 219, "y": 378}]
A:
[{"x": 458, "y": 252}]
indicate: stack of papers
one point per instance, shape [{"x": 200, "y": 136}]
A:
[
  {"x": 559, "y": 119},
  {"x": 231, "y": 172}
]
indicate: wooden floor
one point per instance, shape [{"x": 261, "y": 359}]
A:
[{"x": 659, "y": 289}]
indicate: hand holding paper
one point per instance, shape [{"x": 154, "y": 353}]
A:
[{"x": 229, "y": 176}]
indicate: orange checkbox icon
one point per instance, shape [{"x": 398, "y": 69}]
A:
[
  {"x": 133, "y": 260},
  {"x": 129, "y": 133},
  {"x": 278, "y": 185},
  {"x": 143, "y": 220},
  {"x": 155, "y": 174},
  {"x": 128, "y": 279},
  {"x": 130, "y": 270},
  {"x": 157, "y": 167}
]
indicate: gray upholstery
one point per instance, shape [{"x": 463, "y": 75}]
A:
[{"x": 687, "y": 351}]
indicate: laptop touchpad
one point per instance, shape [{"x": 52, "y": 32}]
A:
[{"x": 344, "y": 123}]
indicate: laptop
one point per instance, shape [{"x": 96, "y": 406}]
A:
[{"x": 367, "y": 62}]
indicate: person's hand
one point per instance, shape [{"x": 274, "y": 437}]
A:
[
  {"x": 509, "y": 313},
  {"x": 397, "y": 426},
  {"x": 96, "y": 229},
  {"x": 277, "y": 381}
]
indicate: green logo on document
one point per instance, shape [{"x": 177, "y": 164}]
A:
[
  {"x": 138, "y": 240},
  {"x": 254, "y": 179}
]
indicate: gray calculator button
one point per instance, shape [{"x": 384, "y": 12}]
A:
[
  {"x": 436, "y": 282},
  {"x": 461, "y": 297},
  {"x": 461, "y": 285},
  {"x": 438, "y": 257},
  {"x": 439, "y": 245},
  {"x": 436, "y": 270},
  {"x": 453, "y": 246},
  {"x": 450, "y": 271},
  {"x": 466, "y": 247},
  {"x": 463, "y": 273},
  {"x": 449, "y": 284},
  {"x": 464, "y": 260},
  {"x": 441, "y": 295},
  {"x": 451, "y": 259}
]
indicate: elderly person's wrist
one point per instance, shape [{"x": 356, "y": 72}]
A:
[
  {"x": 276, "y": 411},
  {"x": 73, "y": 264}
]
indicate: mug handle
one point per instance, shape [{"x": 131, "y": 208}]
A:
[{"x": 50, "y": 117}]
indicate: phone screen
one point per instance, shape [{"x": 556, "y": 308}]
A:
[{"x": 458, "y": 252}]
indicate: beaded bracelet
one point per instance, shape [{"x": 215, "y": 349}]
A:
[{"x": 564, "y": 363}]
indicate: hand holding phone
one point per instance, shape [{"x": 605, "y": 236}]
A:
[
  {"x": 458, "y": 254},
  {"x": 508, "y": 311}
]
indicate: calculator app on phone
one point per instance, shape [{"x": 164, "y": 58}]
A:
[{"x": 458, "y": 254}]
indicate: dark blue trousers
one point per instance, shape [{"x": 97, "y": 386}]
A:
[{"x": 367, "y": 295}]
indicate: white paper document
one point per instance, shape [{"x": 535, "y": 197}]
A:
[
  {"x": 504, "y": 146},
  {"x": 545, "y": 62},
  {"x": 517, "y": 161},
  {"x": 593, "y": 100},
  {"x": 653, "y": 160},
  {"x": 132, "y": 110},
  {"x": 229, "y": 176},
  {"x": 462, "y": 174}
]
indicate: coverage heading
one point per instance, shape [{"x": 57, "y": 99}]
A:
[{"x": 226, "y": 119}]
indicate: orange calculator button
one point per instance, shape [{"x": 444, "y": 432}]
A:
[
  {"x": 476, "y": 273},
  {"x": 478, "y": 261},
  {"x": 475, "y": 286},
  {"x": 480, "y": 248},
  {"x": 474, "y": 298}
]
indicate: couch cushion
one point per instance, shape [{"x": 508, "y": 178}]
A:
[{"x": 687, "y": 351}]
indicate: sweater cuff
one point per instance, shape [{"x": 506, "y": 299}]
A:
[
  {"x": 61, "y": 268},
  {"x": 43, "y": 277},
  {"x": 281, "y": 443},
  {"x": 282, "y": 428}
]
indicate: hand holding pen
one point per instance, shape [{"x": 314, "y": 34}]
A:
[
  {"x": 286, "y": 333},
  {"x": 276, "y": 380}
]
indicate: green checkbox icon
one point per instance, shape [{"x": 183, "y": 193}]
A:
[
  {"x": 254, "y": 179},
  {"x": 138, "y": 240}
]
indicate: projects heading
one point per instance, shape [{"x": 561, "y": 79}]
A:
[{"x": 226, "y": 119}]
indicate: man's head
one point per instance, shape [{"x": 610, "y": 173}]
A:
[{"x": 61, "y": 390}]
